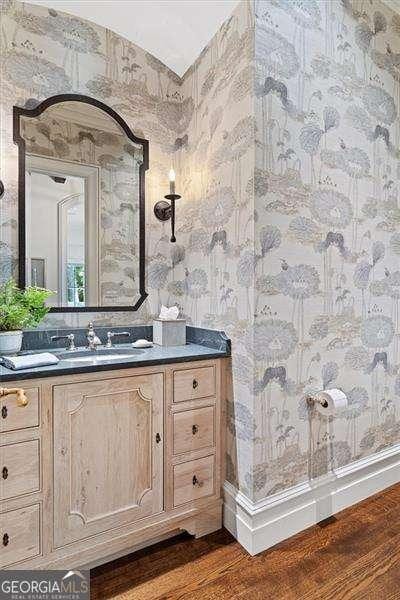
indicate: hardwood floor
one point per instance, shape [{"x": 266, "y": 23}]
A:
[{"x": 353, "y": 556}]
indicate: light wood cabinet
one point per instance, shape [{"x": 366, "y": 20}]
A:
[
  {"x": 19, "y": 535},
  {"x": 13, "y": 416},
  {"x": 100, "y": 464},
  {"x": 19, "y": 469},
  {"x": 193, "y": 479},
  {"x": 194, "y": 383},
  {"x": 193, "y": 429},
  {"x": 108, "y": 454}
]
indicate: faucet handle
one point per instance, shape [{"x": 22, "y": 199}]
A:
[
  {"x": 111, "y": 334},
  {"x": 70, "y": 337},
  {"x": 71, "y": 341},
  {"x": 109, "y": 342}
]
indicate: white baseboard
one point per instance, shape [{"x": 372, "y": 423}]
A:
[{"x": 260, "y": 525}]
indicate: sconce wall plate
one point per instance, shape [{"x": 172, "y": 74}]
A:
[
  {"x": 162, "y": 210},
  {"x": 166, "y": 210}
]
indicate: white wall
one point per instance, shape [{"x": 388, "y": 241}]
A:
[{"x": 43, "y": 197}]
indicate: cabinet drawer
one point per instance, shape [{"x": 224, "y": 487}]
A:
[
  {"x": 190, "y": 384},
  {"x": 19, "y": 535},
  {"x": 193, "y": 479},
  {"x": 14, "y": 417},
  {"x": 19, "y": 469},
  {"x": 193, "y": 429}
]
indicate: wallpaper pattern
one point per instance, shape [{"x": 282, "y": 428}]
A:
[
  {"x": 43, "y": 53},
  {"x": 327, "y": 182},
  {"x": 285, "y": 137},
  {"x": 215, "y": 282}
]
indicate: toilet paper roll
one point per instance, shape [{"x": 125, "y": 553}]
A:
[{"x": 330, "y": 402}]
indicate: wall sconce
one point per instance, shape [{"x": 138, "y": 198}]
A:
[{"x": 166, "y": 210}]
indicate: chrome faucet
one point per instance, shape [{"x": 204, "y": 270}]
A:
[
  {"x": 92, "y": 338},
  {"x": 70, "y": 337},
  {"x": 111, "y": 334}
]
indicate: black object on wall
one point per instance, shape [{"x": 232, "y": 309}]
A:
[{"x": 166, "y": 210}]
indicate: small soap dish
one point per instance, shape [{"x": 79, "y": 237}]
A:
[{"x": 142, "y": 344}]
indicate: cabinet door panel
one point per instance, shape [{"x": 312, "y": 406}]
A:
[{"x": 107, "y": 462}]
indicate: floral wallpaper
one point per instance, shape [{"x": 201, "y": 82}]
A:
[
  {"x": 44, "y": 52},
  {"x": 327, "y": 280},
  {"x": 118, "y": 162},
  {"x": 215, "y": 282},
  {"x": 285, "y": 137}
]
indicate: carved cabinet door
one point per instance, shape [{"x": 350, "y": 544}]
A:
[{"x": 108, "y": 454}]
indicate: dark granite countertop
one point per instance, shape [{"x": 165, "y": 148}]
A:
[{"x": 219, "y": 347}]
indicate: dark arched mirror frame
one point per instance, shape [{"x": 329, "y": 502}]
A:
[{"x": 19, "y": 112}]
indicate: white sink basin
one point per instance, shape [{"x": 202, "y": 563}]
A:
[{"x": 101, "y": 355}]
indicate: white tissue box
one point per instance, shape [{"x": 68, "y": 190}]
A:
[{"x": 169, "y": 332}]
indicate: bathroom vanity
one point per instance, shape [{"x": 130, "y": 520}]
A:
[
  {"x": 112, "y": 448},
  {"x": 101, "y": 459}
]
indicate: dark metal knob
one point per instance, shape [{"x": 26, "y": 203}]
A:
[
  {"x": 6, "y": 539},
  {"x": 5, "y": 472},
  {"x": 195, "y": 429},
  {"x": 195, "y": 383},
  {"x": 4, "y": 412},
  {"x": 158, "y": 438},
  {"x": 195, "y": 481}
]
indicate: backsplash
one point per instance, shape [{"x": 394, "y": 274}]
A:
[{"x": 41, "y": 339}]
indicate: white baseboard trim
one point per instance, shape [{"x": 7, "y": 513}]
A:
[{"x": 260, "y": 525}]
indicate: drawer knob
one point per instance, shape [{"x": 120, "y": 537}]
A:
[
  {"x": 195, "y": 429},
  {"x": 6, "y": 539},
  {"x": 195, "y": 384},
  {"x": 22, "y": 399},
  {"x": 195, "y": 481},
  {"x": 4, "y": 412},
  {"x": 158, "y": 438},
  {"x": 5, "y": 472}
]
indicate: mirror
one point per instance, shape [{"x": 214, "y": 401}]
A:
[{"x": 81, "y": 204}]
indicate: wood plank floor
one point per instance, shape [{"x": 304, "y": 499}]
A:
[{"x": 355, "y": 555}]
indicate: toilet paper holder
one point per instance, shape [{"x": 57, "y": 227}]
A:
[{"x": 328, "y": 402}]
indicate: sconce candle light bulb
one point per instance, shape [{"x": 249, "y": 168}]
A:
[{"x": 172, "y": 181}]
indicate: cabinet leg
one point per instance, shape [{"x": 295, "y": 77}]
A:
[{"x": 209, "y": 520}]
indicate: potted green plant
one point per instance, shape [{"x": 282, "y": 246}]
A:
[{"x": 19, "y": 309}]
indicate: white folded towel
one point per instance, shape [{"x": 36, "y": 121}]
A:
[{"x": 28, "y": 361}]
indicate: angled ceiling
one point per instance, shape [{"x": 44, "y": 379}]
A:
[{"x": 175, "y": 31}]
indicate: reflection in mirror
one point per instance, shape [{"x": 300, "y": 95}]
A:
[
  {"x": 82, "y": 207},
  {"x": 64, "y": 197}
]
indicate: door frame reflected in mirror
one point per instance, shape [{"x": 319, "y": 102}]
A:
[
  {"x": 90, "y": 175},
  {"x": 37, "y": 110}
]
